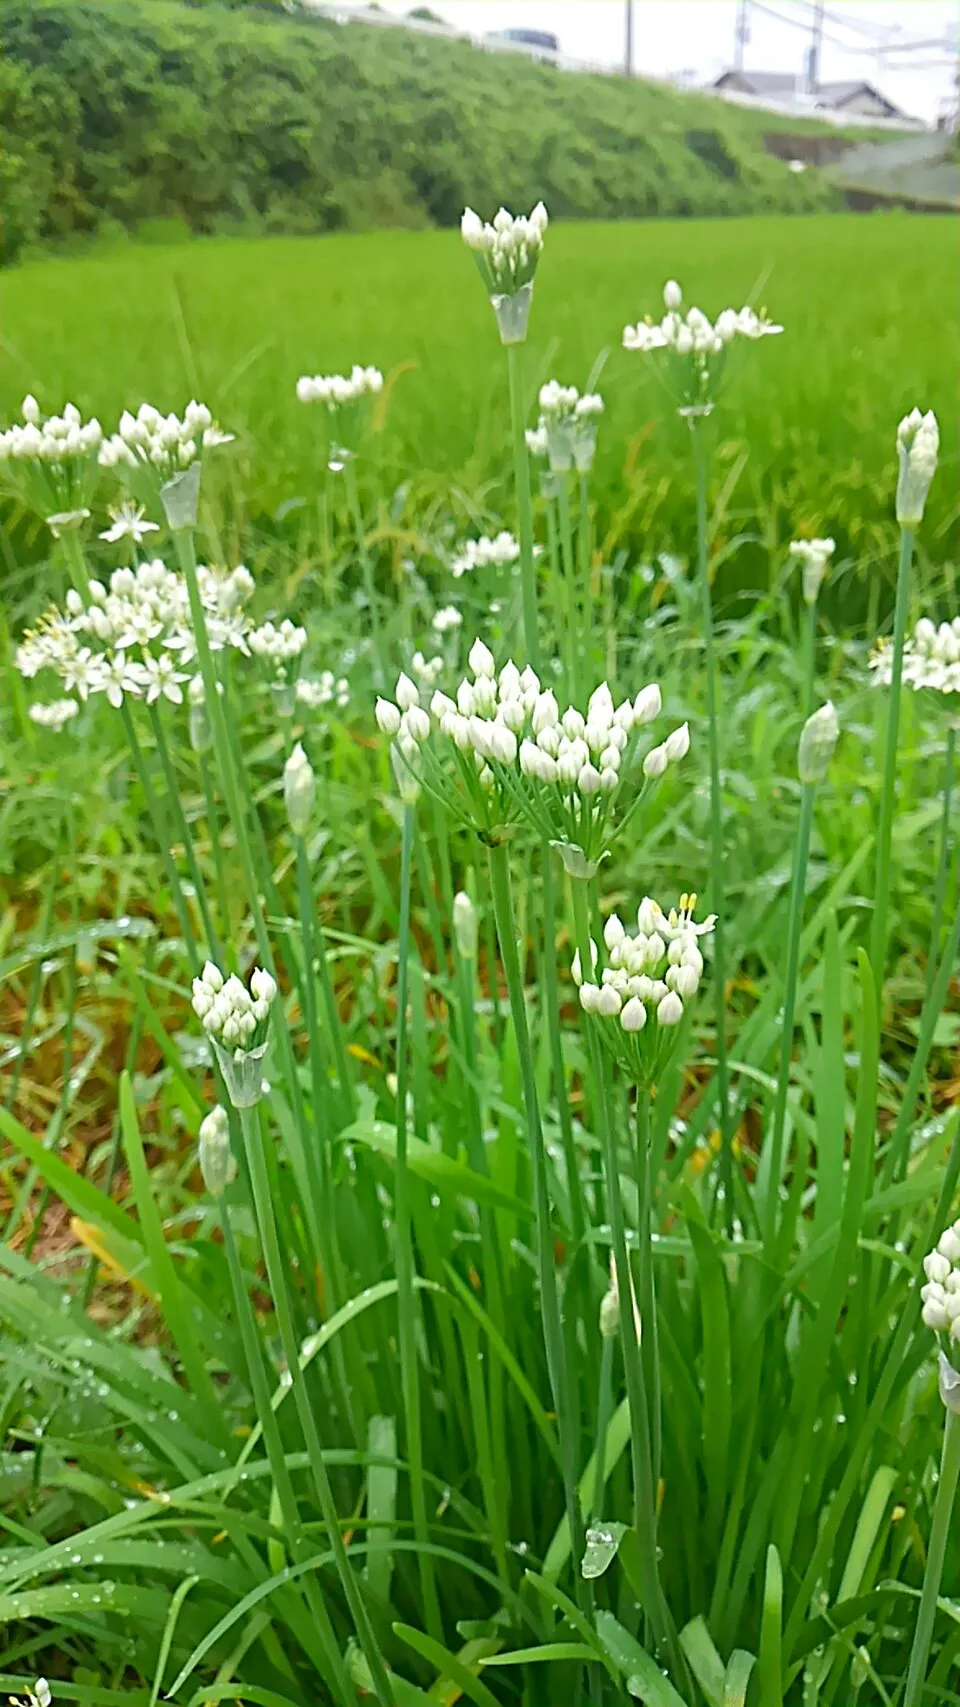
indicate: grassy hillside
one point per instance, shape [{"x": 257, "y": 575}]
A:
[
  {"x": 237, "y": 322},
  {"x": 116, "y": 112}
]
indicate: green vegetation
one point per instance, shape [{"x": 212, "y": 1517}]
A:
[
  {"x": 238, "y": 322},
  {"x": 357, "y": 1419},
  {"x": 114, "y": 112}
]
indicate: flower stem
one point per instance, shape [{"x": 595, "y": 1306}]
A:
[
  {"x": 809, "y": 659},
  {"x": 771, "y": 1161},
  {"x": 586, "y": 570},
  {"x": 940, "y": 1529},
  {"x": 569, "y": 576},
  {"x": 76, "y": 561},
  {"x": 366, "y": 569},
  {"x": 604, "y": 1409},
  {"x": 716, "y": 824},
  {"x": 161, "y": 832},
  {"x": 647, "y": 1293},
  {"x": 213, "y": 830},
  {"x": 878, "y": 936},
  {"x": 521, "y": 468},
  {"x": 182, "y": 826},
  {"x": 499, "y": 867},
  {"x": 943, "y": 865},
  {"x": 406, "y": 1303},
  {"x": 253, "y": 1139}
]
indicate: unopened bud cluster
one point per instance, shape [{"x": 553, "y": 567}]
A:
[
  {"x": 51, "y": 463},
  {"x": 164, "y": 445},
  {"x": 229, "y": 1011},
  {"x": 278, "y": 646},
  {"x": 941, "y": 1292},
  {"x": 918, "y": 447},
  {"x": 500, "y": 549},
  {"x": 813, "y": 555},
  {"x": 566, "y": 433},
  {"x": 931, "y": 658},
  {"x": 644, "y": 979},
  {"x": 696, "y": 343},
  {"x": 516, "y": 755},
  {"x": 214, "y": 1154},
  {"x": 299, "y": 791},
  {"x": 818, "y": 741},
  {"x": 337, "y": 390},
  {"x": 507, "y": 253}
]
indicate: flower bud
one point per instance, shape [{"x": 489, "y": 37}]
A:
[
  {"x": 610, "y": 1314},
  {"x": 214, "y": 1154},
  {"x": 670, "y": 1009},
  {"x": 388, "y": 717},
  {"x": 677, "y": 744},
  {"x": 818, "y": 740},
  {"x": 465, "y": 925},
  {"x": 918, "y": 444},
  {"x": 672, "y": 294},
  {"x": 656, "y": 762},
  {"x": 299, "y": 791}
]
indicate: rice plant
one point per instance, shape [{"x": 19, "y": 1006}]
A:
[{"x": 445, "y": 1257}]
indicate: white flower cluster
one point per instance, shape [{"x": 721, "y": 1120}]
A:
[
  {"x": 918, "y": 447},
  {"x": 338, "y": 389},
  {"x": 517, "y": 755},
  {"x": 229, "y": 1012},
  {"x": 813, "y": 555},
  {"x": 446, "y": 620},
  {"x": 278, "y": 646},
  {"x": 162, "y": 444},
  {"x": 427, "y": 670},
  {"x": 931, "y": 659},
  {"x": 57, "y": 439},
  {"x": 697, "y": 341},
  {"x": 327, "y": 689},
  {"x": 132, "y": 635},
  {"x": 647, "y": 976},
  {"x": 38, "y": 1696},
  {"x": 507, "y": 251},
  {"x": 52, "y": 461},
  {"x": 480, "y": 553},
  {"x": 566, "y": 432},
  {"x": 941, "y": 1293},
  {"x": 55, "y": 715}
]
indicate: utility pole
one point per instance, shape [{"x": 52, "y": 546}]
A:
[
  {"x": 628, "y": 43},
  {"x": 741, "y": 35},
  {"x": 813, "y": 55}
]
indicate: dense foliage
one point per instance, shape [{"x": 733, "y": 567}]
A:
[{"x": 116, "y": 112}]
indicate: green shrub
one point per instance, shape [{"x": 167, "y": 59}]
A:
[{"x": 220, "y": 117}]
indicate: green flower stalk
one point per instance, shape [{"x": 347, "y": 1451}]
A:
[
  {"x": 941, "y": 1313},
  {"x": 917, "y": 447},
  {"x": 818, "y": 742},
  {"x": 814, "y": 556}
]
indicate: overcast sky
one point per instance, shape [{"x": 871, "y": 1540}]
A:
[{"x": 697, "y": 37}]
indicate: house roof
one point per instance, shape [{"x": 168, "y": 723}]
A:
[{"x": 786, "y": 83}]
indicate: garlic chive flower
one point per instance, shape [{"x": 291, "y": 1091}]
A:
[
  {"x": 346, "y": 399},
  {"x": 696, "y": 346},
  {"x": 337, "y": 390},
  {"x": 479, "y": 553},
  {"x": 507, "y": 253},
  {"x": 327, "y": 689},
  {"x": 128, "y": 523},
  {"x": 217, "y": 1164},
  {"x": 236, "y": 1017},
  {"x": 50, "y": 463},
  {"x": 39, "y": 1695},
  {"x": 153, "y": 447},
  {"x": 133, "y": 635},
  {"x": 941, "y": 1292},
  {"x": 646, "y": 982},
  {"x": 499, "y": 751},
  {"x": 818, "y": 741},
  {"x": 610, "y": 1306},
  {"x": 446, "y": 620},
  {"x": 918, "y": 446},
  {"x": 814, "y": 556},
  {"x": 931, "y": 659},
  {"x": 55, "y": 715},
  {"x": 566, "y": 433}
]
